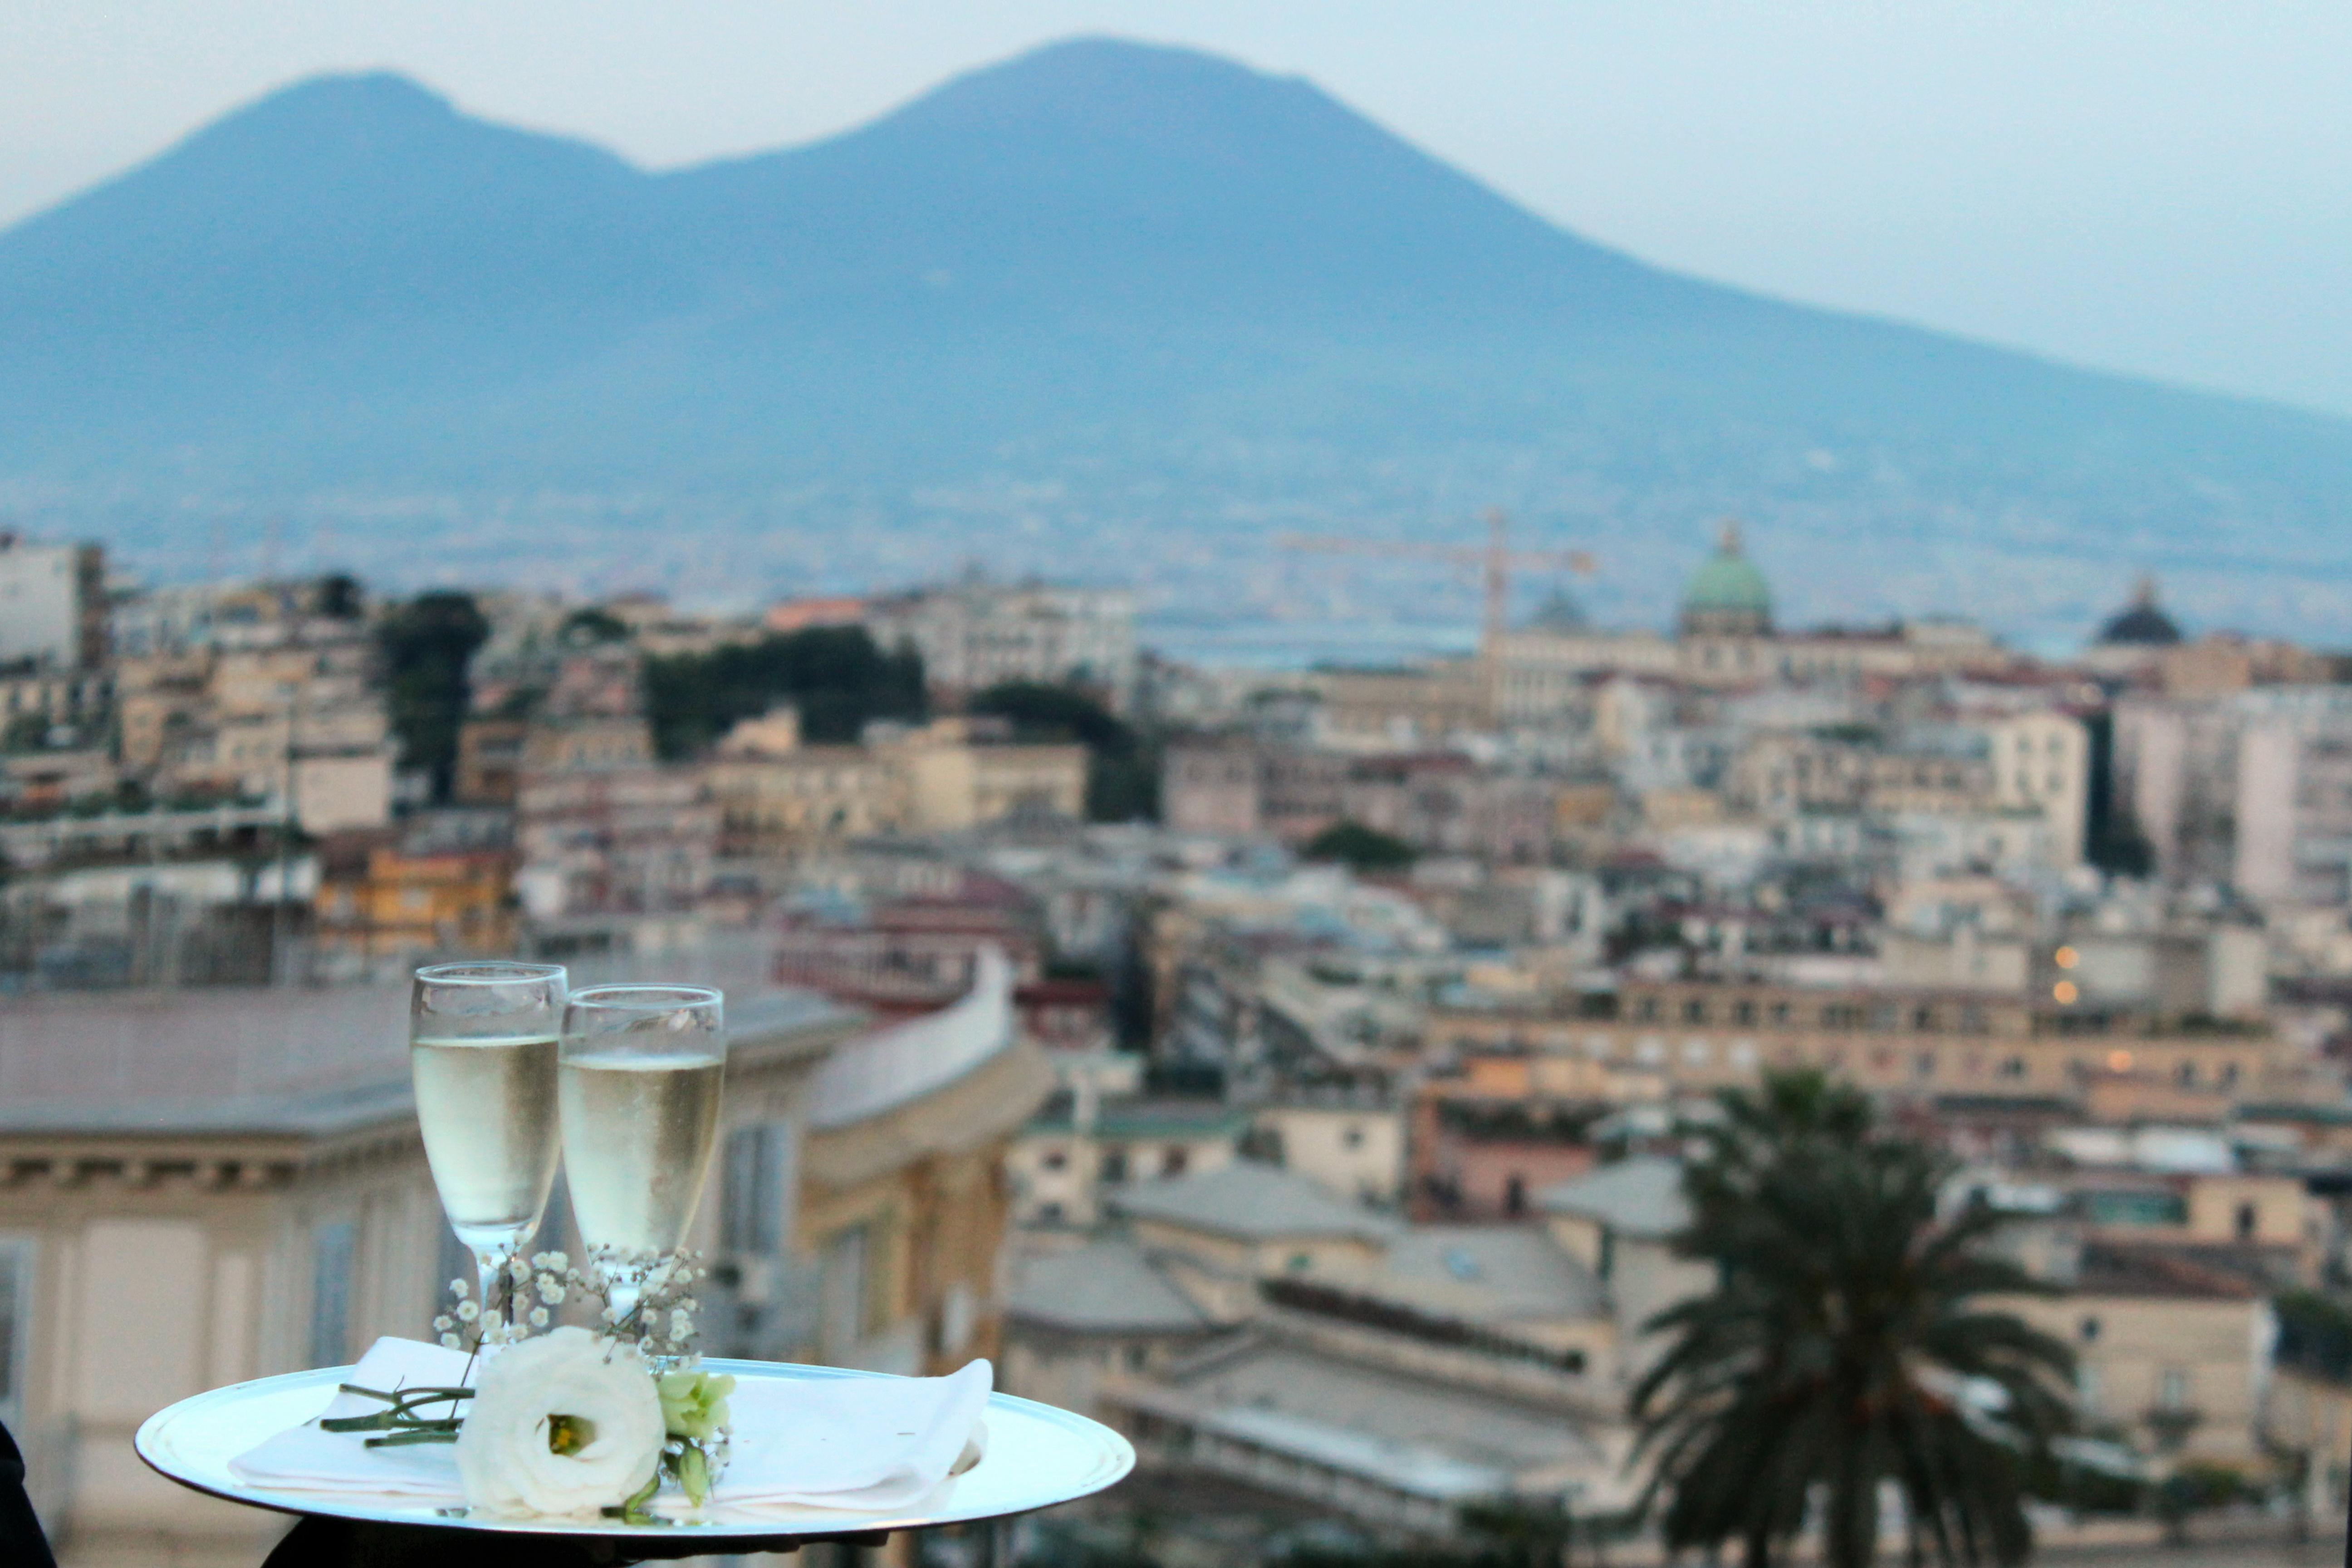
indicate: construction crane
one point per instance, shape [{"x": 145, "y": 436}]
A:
[{"x": 1495, "y": 559}]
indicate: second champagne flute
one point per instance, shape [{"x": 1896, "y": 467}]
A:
[
  {"x": 482, "y": 1055},
  {"x": 642, "y": 1067}
]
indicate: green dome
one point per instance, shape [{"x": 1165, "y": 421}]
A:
[
  {"x": 1729, "y": 583},
  {"x": 1727, "y": 594}
]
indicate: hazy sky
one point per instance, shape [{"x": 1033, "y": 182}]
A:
[{"x": 2151, "y": 185}]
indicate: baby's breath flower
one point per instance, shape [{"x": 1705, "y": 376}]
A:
[
  {"x": 539, "y": 1317},
  {"x": 450, "y": 1341},
  {"x": 468, "y": 1310},
  {"x": 443, "y": 1324},
  {"x": 521, "y": 1268},
  {"x": 460, "y": 1289},
  {"x": 550, "y": 1289}
]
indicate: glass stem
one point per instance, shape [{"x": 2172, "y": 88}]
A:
[
  {"x": 490, "y": 1266},
  {"x": 621, "y": 1299}
]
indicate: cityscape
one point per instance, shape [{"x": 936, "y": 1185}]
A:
[{"x": 1293, "y": 1068}]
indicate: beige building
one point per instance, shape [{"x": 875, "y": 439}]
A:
[
  {"x": 772, "y": 806},
  {"x": 1400, "y": 710},
  {"x": 1081, "y": 1151},
  {"x": 2176, "y": 1354},
  {"x": 1352, "y": 1152},
  {"x": 272, "y": 709},
  {"x": 955, "y": 778},
  {"x": 1663, "y": 1038},
  {"x": 779, "y": 796}
]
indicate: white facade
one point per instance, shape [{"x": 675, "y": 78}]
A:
[
  {"x": 2254, "y": 789},
  {"x": 978, "y": 634},
  {"x": 2041, "y": 763},
  {"x": 46, "y": 593}
]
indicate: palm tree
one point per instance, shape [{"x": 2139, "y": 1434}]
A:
[{"x": 1844, "y": 1346}]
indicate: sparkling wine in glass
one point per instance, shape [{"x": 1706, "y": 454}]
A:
[
  {"x": 482, "y": 1053},
  {"x": 641, "y": 1068}
]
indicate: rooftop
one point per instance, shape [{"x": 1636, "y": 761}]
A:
[
  {"x": 1147, "y": 1117},
  {"x": 1108, "y": 1286},
  {"x": 2108, "y": 1269},
  {"x": 1252, "y": 1201},
  {"x": 1641, "y": 1196}
]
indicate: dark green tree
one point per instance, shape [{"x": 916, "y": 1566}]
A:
[
  {"x": 1846, "y": 1343},
  {"x": 1122, "y": 762},
  {"x": 1363, "y": 848},
  {"x": 590, "y": 624},
  {"x": 426, "y": 643},
  {"x": 339, "y": 595},
  {"x": 834, "y": 675}
]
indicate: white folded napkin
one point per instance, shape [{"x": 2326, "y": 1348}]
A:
[
  {"x": 306, "y": 1460},
  {"x": 870, "y": 1443},
  {"x": 877, "y": 1445}
]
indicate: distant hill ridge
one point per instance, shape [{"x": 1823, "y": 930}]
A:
[{"x": 1099, "y": 258}]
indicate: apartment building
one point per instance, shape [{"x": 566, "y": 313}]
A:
[{"x": 975, "y": 634}]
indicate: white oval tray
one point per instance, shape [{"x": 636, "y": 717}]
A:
[{"x": 1038, "y": 1455}]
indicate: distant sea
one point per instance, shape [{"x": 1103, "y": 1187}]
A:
[{"x": 1301, "y": 645}]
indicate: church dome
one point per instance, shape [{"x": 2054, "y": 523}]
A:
[
  {"x": 1727, "y": 596},
  {"x": 2142, "y": 624}
]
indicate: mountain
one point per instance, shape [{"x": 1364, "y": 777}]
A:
[{"x": 1105, "y": 308}]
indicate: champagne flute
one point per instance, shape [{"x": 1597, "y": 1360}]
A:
[
  {"x": 640, "y": 1074},
  {"x": 482, "y": 1055}
]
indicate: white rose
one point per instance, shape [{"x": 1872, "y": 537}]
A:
[{"x": 565, "y": 1424}]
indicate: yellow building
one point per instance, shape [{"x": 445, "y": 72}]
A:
[
  {"x": 778, "y": 795},
  {"x": 459, "y": 902}
]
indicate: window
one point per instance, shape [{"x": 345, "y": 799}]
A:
[
  {"x": 1055, "y": 1159},
  {"x": 1352, "y": 1137},
  {"x": 1743, "y": 1012},
  {"x": 1646, "y": 1009},
  {"x": 1114, "y": 1164},
  {"x": 15, "y": 1324},
  {"x": 1694, "y": 1012},
  {"x": 1300, "y": 1262},
  {"x": 332, "y": 1248},
  {"x": 2013, "y": 1067},
  {"x": 842, "y": 1292},
  {"x": 1173, "y": 1159},
  {"x": 755, "y": 1204},
  {"x": 2249, "y": 1221},
  {"x": 2172, "y": 1389},
  {"x": 2088, "y": 1329}
]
